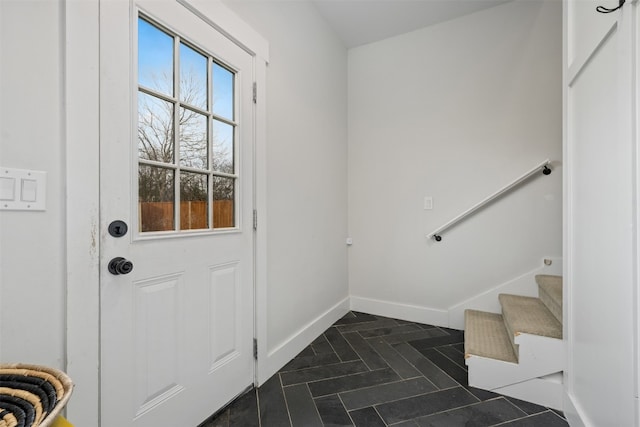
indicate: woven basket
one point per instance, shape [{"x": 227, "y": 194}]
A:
[{"x": 32, "y": 395}]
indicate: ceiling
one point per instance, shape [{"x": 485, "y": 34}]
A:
[{"x": 359, "y": 22}]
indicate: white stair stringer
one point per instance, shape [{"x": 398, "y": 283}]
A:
[
  {"x": 538, "y": 356},
  {"x": 546, "y": 391}
]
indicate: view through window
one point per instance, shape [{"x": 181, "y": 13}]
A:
[{"x": 187, "y": 131}]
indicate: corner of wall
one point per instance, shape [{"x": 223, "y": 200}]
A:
[
  {"x": 273, "y": 360},
  {"x": 571, "y": 411},
  {"x": 408, "y": 312}
]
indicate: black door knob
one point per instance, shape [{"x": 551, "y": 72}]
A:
[{"x": 120, "y": 265}]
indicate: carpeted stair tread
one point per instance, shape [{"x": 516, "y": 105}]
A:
[
  {"x": 550, "y": 292},
  {"x": 485, "y": 335},
  {"x": 528, "y": 315}
]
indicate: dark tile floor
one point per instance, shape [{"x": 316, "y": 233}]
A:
[{"x": 374, "y": 371}]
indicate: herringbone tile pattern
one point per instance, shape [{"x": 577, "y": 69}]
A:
[{"x": 374, "y": 371}]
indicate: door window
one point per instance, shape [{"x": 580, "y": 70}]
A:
[{"x": 187, "y": 134}]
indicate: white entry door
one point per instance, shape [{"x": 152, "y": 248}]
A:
[{"x": 176, "y": 118}]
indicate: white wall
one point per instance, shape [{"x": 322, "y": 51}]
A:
[
  {"x": 454, "y": 111},
  {"x": 306, "y": 172},
  {"x": 32, "y": 272}
]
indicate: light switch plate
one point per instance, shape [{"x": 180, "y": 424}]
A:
[
  {"x": 22, "y": 190},
  {"x": 428, "y": 203}
]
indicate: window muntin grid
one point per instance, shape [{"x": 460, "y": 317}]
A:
[{"x": 187, "y": 135}]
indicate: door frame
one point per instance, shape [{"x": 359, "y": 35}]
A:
[{"x": 81, "y": 131}]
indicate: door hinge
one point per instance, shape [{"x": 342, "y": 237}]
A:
[
  {"x": 255, "y": 219},
  {"x": 255, "y": 92},
  {"x": 255, "y": 348}
]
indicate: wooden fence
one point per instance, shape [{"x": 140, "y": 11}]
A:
[{"x": 158, "y": 216}]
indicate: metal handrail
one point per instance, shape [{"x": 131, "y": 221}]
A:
[{"x": 544, "y": 166}]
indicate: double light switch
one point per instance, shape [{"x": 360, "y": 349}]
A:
[{"x": 22, "y": 189}]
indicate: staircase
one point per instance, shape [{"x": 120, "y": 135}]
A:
[{"x": 519, "y": 353}]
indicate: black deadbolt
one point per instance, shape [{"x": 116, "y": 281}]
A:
[
  {"x": 120, "y": 265},
  {"x": 118, "y": 228}
]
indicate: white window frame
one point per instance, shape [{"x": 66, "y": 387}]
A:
[{"x": 176, "y": 167}]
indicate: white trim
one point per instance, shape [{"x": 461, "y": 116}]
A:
[
  {"x": 572, "y": 413},
  {"x": 546, "y": 391},
  {"x": 626, "y": 128},
  {"x": 260, "y": 204},
  {"x": 635, "y": 138},
  {"x": 537, "y": 356},
  {"x": 524, "y": 285},
  {"x": 567, "y": 209},
  {"x": 234, "y": 28},
  {"x": 628, "y": 123},
  {"x": 81, "y": 124},
  {"x": 636, "y": 190},
  {"x": 408, "y": 312},
  {"x": 581, "y": 59},
  {"x": 82, "y": 70},
  {"x": 286, "y": 351},
  {"x": 1, "y": 127}
]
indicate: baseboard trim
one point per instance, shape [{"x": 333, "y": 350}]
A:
[
  {"x": 571, "y": 412},
  {"x": 411, "y": 313},
  {"x": 287, "y": 350}
]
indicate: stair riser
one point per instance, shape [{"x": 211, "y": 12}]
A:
[
  {"x": 539, "y": 356},
  {"x": 489, "y": 374},
  {"x": 512, "y": 336},
  {"x": 527, "y": 315},
  {"x": 555, "y": 307},
  {"x": 550, "y": 293}
]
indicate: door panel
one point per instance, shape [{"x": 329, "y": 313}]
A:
[
  {"x": 599, "y": 217},
  {"x": 224, "y": 294},
  {"x": 600, "y": 201},
  {"x": 586, "y": 27},
  {"x": 157, "y": 346},
  {"x": 176, "y": 332}
]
